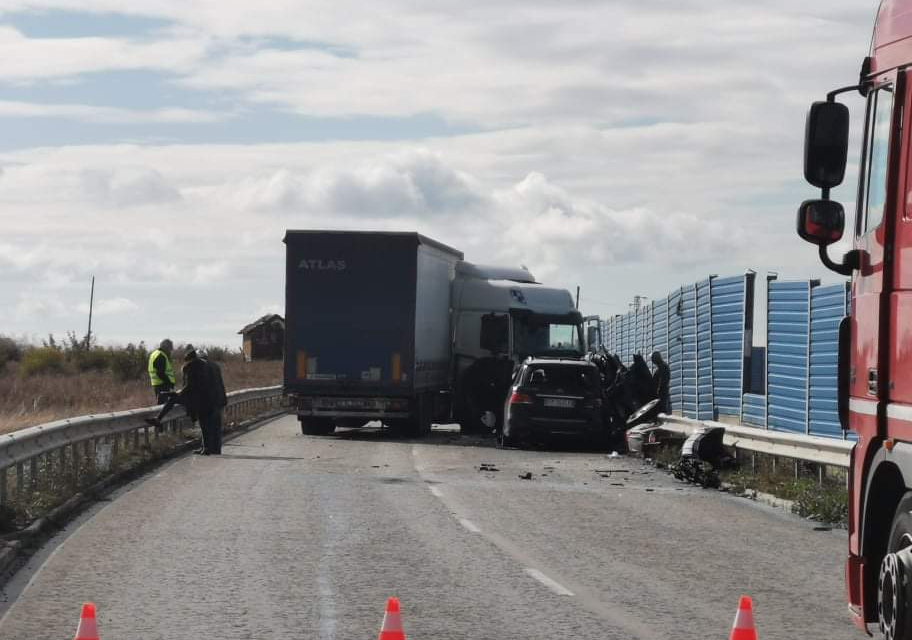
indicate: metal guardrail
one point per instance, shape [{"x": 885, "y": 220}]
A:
[
  {"x": 816, "y": 449},
  {"x": 64, "y": 445}
]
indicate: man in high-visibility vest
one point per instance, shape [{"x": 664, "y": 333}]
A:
[{"x": 161, "y": 373}]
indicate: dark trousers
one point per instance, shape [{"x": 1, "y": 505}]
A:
[
  {"x": 170, "y": 399},
  {"x": 162, "y": 392},
  {"x": 211, "y": 426}
]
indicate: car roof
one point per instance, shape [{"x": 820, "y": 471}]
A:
[{"x": 568, "y": 362}]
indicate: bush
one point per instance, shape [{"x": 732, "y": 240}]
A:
[
  {"x": 42, "y": 360},
  {"x": 10, "y": 351},
  {"x": 130, "y": 362},
  {"x": 92, "y": 360},
  {"x": 218, "y": 354}
]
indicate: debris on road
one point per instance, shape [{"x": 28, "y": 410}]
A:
[
  {"x": 525, "y": 476},
  {"x": 487, "y": 466},
  {"x": 614, "y": 454}
]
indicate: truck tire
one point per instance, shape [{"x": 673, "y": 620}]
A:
[
  {"x": 317, "y": 426},
  {"x": 894, "y": 582},
  {"x": 419, "y": 424}
]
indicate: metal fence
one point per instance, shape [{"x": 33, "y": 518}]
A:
[
  {"x": 70, "y": 452},
  {"x": 705, "y": 333}
]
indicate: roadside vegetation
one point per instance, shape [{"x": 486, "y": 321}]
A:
[
  {"x": 822, "y": 497},
  {"x": 66, "y": 378}
]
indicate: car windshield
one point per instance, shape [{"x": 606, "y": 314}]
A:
[
  {"x": 556, "y": 376},
  {"x": 540, "y": 337}
]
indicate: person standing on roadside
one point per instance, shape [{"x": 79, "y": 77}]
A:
[
  {"x": 161, "y": 372},
  {"x": 661, "y": 380},
  {"x": 220, "y": 400},
  {"x": 198, "y": 398}
]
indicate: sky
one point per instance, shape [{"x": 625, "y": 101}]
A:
[{"x": 626, "y": 147}]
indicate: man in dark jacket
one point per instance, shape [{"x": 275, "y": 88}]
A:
[
  {"x": 641, "y": 380},
  {"x": 220, "y": 400},
  {"x": 661, "y": 380},
  {"x": 198, "y": 398}
]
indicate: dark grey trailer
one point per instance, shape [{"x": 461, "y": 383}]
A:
[{"x": 367, "y": 317}]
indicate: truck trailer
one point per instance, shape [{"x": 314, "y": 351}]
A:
[{"x": 367, "y": 328}]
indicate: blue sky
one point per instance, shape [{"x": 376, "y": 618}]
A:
[{"x": 625, "y": 147}]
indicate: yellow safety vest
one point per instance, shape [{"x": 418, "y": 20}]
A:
[{"x": 169, "y": 370}]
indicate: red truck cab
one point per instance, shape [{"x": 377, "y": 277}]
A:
[{"x": 875, "y": 368}]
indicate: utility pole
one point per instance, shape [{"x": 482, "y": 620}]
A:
[
  {"x": 637, "y": 301},
  {"x": 91, "y": 303}
]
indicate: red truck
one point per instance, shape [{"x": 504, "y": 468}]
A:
[{"x": 875, "y": 341}]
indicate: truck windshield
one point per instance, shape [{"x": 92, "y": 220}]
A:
[{"x": 543, "y": 336}]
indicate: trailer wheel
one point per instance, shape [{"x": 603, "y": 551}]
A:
[
  {"x": 317, "y": 426},
  {"x": 420, "y": 423},
  {"x": 894, "y": 584}
]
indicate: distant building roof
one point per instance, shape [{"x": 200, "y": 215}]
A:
[{"x": 269, "y": 318}]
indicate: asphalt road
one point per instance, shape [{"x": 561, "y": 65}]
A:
[{"x": 291, "y": 537}]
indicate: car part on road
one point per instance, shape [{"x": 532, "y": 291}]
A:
[
  {"x": 702, "y": 456},
  {"x": 646, "y": 436}
]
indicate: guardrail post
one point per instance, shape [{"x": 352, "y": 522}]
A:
[
  {"x": 33, "y": 473},
  {"x": 90, "y": 446},
  {"x": 61, "y": 456},
  {"x": 20, "y": 482}
]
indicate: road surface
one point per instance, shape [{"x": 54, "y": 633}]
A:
[{"x": 290, "y": 537}]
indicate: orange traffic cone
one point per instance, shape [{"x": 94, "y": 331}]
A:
[
  {"x": 392, "y": 623},
  {"x": 743, "y": 628},
  {"x": 87, "y": 629}
]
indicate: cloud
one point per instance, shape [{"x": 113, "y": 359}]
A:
[
  {"x": 31, "y": 306},
  {"x": 405, "y": 184},
  {"x": 120, "y": 186},
  {"x": 127, "y": 187},
  {"x": 111, "y": 115},
  {"x": 109, "y": 306},
  {"x": 48, "y": 58}
]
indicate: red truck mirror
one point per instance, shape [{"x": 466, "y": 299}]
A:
[{"x": 821, "y": 222}]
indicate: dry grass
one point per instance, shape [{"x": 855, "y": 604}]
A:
[{"x": 29, "y": 400}]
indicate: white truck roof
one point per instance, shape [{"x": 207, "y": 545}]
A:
[{"x": 488, "y": 272}]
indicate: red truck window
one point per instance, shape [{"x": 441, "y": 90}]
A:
[{"x": 878, "y": 147}]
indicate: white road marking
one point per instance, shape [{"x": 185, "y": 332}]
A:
[
  {"x": 437, "y": 492},
  {"x": 556, "y": 587},
  {"x": 468, "y": 524}
]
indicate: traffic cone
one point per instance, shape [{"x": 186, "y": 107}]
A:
[
  {"x": 87, "y": 629},
  {"x": 392, "y": 623},
  {"x": 743, "y": 628}
]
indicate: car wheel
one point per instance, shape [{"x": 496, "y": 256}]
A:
[{"x": 894, "y": 583}]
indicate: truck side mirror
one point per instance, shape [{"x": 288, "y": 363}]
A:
[
  {"x": 821, "y": 222},
  {"x": 826, "y": 144},
  {"x": 495, "y": 333}
]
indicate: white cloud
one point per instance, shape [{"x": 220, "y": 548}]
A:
[
  {"x": 109, "y": 306},
  {"x": 408, "y": 183},
  {"x": 45, "y": 58},
  {"x": 92, "y": 113}
]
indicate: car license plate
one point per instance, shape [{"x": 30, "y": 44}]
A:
[{"x": 561, "y": 403}]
